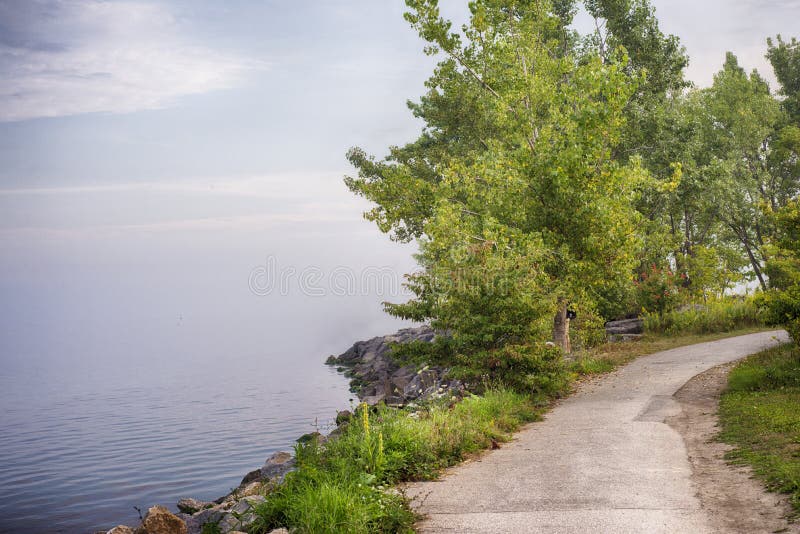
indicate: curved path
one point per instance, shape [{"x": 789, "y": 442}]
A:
[{"x": 603, "y": 460}]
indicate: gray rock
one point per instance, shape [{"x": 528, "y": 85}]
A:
[
  {"x": 277, "y": 466},
  {"x": 209, "y": 515},
  {"x": 279, "y": 531},
  {"x": 373, "y": 400},
  {"x": 377, "y": 378},
  {"x": 120, "y": 529},
  {"x": 625, "y": 326},
  {"x": 241, "y": 515},
  {"x": 191, "y": 506}
]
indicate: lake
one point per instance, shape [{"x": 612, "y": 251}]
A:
[{"x": 140, "y": 365}]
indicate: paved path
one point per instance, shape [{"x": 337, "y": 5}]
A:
[{"x": 602, "y": 461}]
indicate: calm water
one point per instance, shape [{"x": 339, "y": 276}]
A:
[{"x": 138, "y": 367}]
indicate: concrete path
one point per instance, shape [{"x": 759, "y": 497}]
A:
[{"x": 603, "y": 460}]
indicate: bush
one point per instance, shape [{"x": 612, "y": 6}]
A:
[
  {"x": 722, "y": 315},
  {"x": 658, "y": 290}
]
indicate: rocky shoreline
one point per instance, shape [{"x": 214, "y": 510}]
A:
[{"x": 376, "y": 378}]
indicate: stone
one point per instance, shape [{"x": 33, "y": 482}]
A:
[
  {"x": 250, "y": 477},
  {"x": 253, "y": 488},
  {"x": 209, "y": 515},
  {"x": 373, "y": 400},
  {"x": 120, "y": 529},
  {"x": 159, "y": 520},
  {"x": 279, "y": 531},
  {"x": 191, "y": 506},
  {"x": 311, "y": 437},
  {"x": 343, "y": 417},
  {"x": 625, "y": 326},
  {"x": 241, "y": 515},
  {"x": 277, "y": 466}
]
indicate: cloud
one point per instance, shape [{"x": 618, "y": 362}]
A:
[{"x": 67, "y": 57}]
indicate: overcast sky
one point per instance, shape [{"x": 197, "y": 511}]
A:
[
  {"x": 115, "y": 113},
  {"x": 154, "y": 153}
]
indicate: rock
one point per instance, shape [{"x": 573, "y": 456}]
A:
[
  {"x": 209, "y": 515},
  {"x": 377, "y": 378},
  {"x": 373, "y": 400},
  {"x": 343, "y": 417},
  {"x": 191, "y": 506},
  {"x": 279, "y": 531},
  {"x": 311, "y": 437},
  {"x": 250, "y": 477},
  {"x": 254, "y": 488},
  {"x": 277, "y": 466},
  {"x": 159, "y": 520},
  {"x": 241, "y": 515},
  {"x": 120, "y": 529},
  {"x": 625, "y": 326}
]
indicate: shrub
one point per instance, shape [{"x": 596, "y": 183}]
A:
[{"x": 658, "y": 290}]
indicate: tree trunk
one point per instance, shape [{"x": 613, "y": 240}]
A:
[{"x": 561, "y": 329}]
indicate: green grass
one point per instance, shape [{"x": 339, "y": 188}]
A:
[
  {"x": 715, "y": 316},
  {"x": 760, "y": 415},
  {"x": 344, "y": 485}
]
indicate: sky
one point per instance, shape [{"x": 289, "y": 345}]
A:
[{"x": 155, "y": 153}]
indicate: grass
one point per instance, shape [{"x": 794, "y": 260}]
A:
[
  {"x": 345, "y": 484},
  {"x": 760, "y": 416},
  {"x": 724, "y": 315}
]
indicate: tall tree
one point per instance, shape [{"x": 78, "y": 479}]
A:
[
  {"x": 740, "y": 121},
  {"x": 511, "y": 189}
]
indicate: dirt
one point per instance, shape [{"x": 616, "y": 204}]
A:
[{"x": 734, "y": 500}]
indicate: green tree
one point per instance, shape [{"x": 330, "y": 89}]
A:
[
  {"x": 740, "y": 121},
  {"x": 783, "y": 268},
  {"x": 512, "y": 186},
  {"x": 785, "y": 59}
]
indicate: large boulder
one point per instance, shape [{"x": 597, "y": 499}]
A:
[
  {"x": 159, "y": 520},
  {"x": 625, "y": 326},
  {"x": 377, "y": 378}
]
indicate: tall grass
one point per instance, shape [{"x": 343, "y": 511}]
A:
[
  {"x": 722, "y": 315},
  {"x": 341, "y": 485}
]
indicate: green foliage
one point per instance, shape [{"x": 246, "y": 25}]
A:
[
  {"x": 759, "y": 416},
  {"x": 512, "y": 189},
  {"x": 341, "y": 485},
  {"x": 782, "y": 302},
  {"x": 724, "y": 315},
  {"x": 785, "y": 59}
]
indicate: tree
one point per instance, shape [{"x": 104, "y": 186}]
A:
[
  {"x": 785, "y": 59},
  {"x": 740, "y": 121},
  {"x": 512, "y": 186}
]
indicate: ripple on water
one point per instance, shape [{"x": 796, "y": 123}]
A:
[{"x": 80, "y": 461}]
